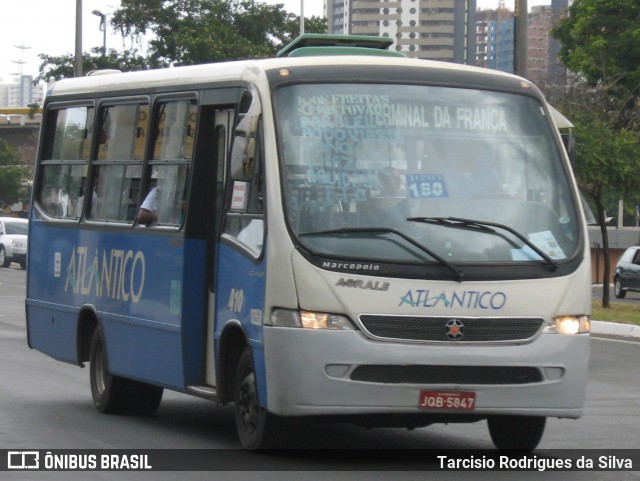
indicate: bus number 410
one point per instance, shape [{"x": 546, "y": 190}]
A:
[{"x": 236, "y": 300}]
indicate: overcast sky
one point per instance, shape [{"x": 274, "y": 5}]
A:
[{"x": 48, "y": 26}]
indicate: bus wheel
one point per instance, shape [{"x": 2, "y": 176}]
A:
[
  {"x": 114, "y": 394},
  {"x": 253, "y": 423},
  {"x": 516, "y": 432}
]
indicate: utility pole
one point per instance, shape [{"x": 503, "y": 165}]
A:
[
  {"x": 78, "y": 62},
  {"x": 521, "y": 27},
  {"x": 20, "y": 62}
]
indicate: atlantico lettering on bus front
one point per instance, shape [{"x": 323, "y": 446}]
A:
[
  {"x": 468, "y": 299},
  {"x": 115, "y": 273}
]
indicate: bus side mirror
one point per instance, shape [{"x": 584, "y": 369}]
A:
[
  {"x": 569, "y": 142},
  {"x": 571, "y": 148},
  {"x": 243, "y": 150}
]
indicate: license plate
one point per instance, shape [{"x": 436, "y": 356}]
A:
[{"x": 449, "y": 400}]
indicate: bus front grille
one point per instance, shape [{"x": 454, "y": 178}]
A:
[
  {"x": 447, "y": 374},
  {"x": 450, "y": 329}
]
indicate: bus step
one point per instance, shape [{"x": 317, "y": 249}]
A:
[{"x": 206, "y": 392}]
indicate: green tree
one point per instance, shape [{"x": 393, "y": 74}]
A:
[
  {"x": 608, "y": 165},
  {"x": 601, "y": 42},
  {"x": 13, "y": 176},
  {"x": 607, "y": 157},
  {"x": 601, "y": 46},
  {"x": 187, "y": 32},
  {"x": 60, "y": 67}
]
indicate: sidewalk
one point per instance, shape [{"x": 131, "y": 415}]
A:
[{"x": 629, "y": 332}]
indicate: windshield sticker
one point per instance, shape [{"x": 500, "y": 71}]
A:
[
  {"x": 465, "y": 299},
  {"x": 548, "y": 244}
]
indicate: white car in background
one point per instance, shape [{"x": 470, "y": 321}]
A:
[{"x": 13, "y": 241}]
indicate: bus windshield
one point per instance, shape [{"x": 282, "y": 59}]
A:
[{"x": 411, "y": 173}]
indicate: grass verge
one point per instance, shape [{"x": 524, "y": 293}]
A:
[{"x": 618, "y": 312}]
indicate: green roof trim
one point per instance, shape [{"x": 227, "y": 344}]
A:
[
  {"x": 314, "y": 51},
  {"x": 310, "y": 44}
]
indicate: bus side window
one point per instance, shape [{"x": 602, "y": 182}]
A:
[
  {"x": 118, "y": 169},
  {"x": 65, "y": 161},
  {"x": 174, "y": 131},
  {"x": 245, "y": 219}
]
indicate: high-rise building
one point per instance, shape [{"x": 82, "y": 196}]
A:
[
  {"x": 538, "y": 34},
  {"x": 557, "y": 72},
  {"x": 429, "y": 29},
  {"x": 21, "y": 93},
  {"x": 495, "y": 39}
]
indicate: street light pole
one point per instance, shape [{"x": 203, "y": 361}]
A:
[
  {"x": 78, "y": 60},
  {"x": 103, "y": 29}
]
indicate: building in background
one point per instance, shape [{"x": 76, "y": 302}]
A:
[
  {"x": 21, "y": 93},
  {"x": 556, "y": 72},
  {"x": 538, "y": 37},
  {"x": 495, "y": 41},
  {"x": 428, "y": 29},
  {"x": 495, "y": 31}
]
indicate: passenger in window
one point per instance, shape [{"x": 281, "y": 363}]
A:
[{"x": 148, "y": 213}]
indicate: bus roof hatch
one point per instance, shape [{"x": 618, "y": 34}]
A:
[{"x": 311, "y": 44}]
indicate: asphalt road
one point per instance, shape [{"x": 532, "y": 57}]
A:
[{"x": 46, "y": 404}]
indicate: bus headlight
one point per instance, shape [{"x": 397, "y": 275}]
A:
[
  {"x": 568, "y": 325},
  {"x": 309, "y": 320}
]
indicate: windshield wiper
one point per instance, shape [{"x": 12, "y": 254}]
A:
[
  {"x": 384, "y": 230},
  {"x": 484, "y": 226}
]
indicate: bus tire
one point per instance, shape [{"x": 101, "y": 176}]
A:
[
  {"x": 521, "y": 433},
  {"x": 114, "y": 394},
  {"x": 254, "y": 424}
]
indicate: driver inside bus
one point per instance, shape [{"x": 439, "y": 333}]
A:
[
  {"x": 470, "y": 172},
  {"x": 392, "y": 199}
]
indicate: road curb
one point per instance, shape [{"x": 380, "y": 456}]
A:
[{"x": 615, "y": 329}]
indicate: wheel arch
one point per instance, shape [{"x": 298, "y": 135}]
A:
[
  {"x": 233, "y": 341},
  {"x": 88, "y": 321}
]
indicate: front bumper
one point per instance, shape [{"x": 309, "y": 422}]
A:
[{"x": 309, "y": 372}]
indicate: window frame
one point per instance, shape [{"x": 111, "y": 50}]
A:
[
  {"x": 50, "y": 128},
  {"x": 97, "y": 164}
]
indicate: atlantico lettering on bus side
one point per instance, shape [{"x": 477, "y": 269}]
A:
[{"x": 115, "y": 273}]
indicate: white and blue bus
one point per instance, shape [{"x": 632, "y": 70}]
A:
[{"x": 337, "y": 232}]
